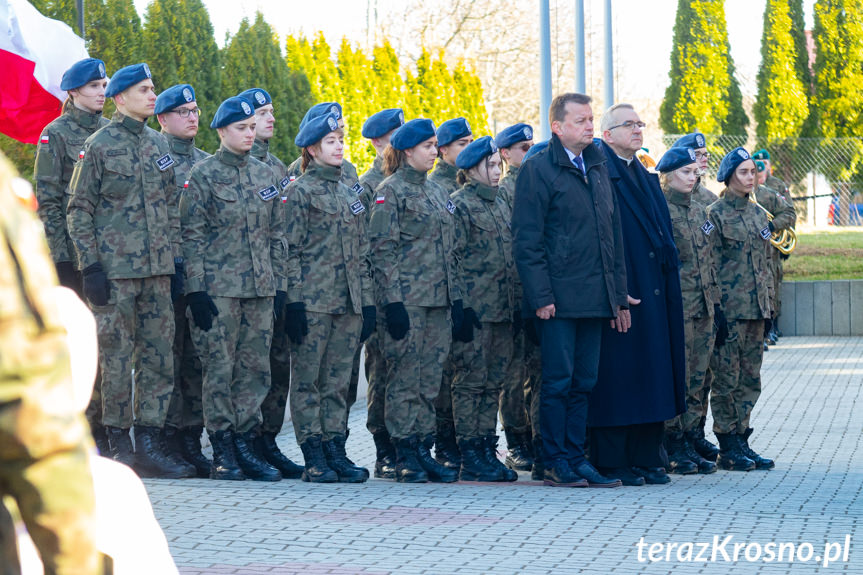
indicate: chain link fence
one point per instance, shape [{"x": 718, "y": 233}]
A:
[{"x": 824, "y": 175}]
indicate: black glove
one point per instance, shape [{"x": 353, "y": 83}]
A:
[
  {"x": 768, "y": 325},
  {"x": 370, "y": 321},
  {"x": 457, "y": 315},
  {"x": 465, "y": 334},
  {"x": 96, "y": 286},
  {"x": 66, "y": 275},
  {"x": 398, "y": 322},
  {"x": 279, "y": 305},
  {"x": 296, "y": 323},
  {"x": 203, "y": 309},
  {"x": 784, "y": 257},
  {"x": 178, "y": 281},
  {"x": 721, "y": 325},
  {"x": 517, "y": 323},
  {"x": 530, "y": 331}
]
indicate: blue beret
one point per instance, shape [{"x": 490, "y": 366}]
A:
[
  {"x": 235, "y": 109},
  {"x": 535, "y": 149},
  {"x": 383, "y": 122},
  {"x": 730, "y": 162},
  {"x": 452, "y": 130},
  {"x": 694, "y": 140},
  {"x": 513, "y": 135},
  {"x": 315, "y": 130},
  {"x": 81, "y": 72},
  {"x": 322, "y": 109},
  {"x": 675, "y": 157},
  {"x": 257, "y": 97},
  {"x": 412, "y": 133},
  {"x": 761, "y": 154},
  {"x": 475, "y": 152},
  {"x": 174, "y": 97},
  {"x": 125, "y": 78}
]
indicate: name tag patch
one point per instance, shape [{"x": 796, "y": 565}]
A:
[
  {"x": 450, "y": 207},
  {"x": 284, "y": 183},
  {"x": 165, "y": 162},
  {"x": 765, "y": 233},
  {"x": 268, "y": 194},
  {"x": 358, "y": 188},
  {"x": 357, "y": 207},
  {"x": 707, "y": 227}
]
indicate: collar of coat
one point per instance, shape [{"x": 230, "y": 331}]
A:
[
  {"x": 482, "y": 191},
  {"x": 739, "y": 202},
  {"x": 411, "y": 175},
  {"x": 591, "y": 155},
  {"x": 444, "y": 170},
  {"x": 324, "y": 172},
  {"x": 260, "y": 149},
  {"x": 83, "y": 118},
  {"x": 230, "y": 158},
  {"x": 180, "y": 146},
  {"x": 678, "y": 198},
  {"x": 129, "y": 123}
]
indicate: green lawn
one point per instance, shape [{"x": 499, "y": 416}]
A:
[{"x": 826, "y": 255}]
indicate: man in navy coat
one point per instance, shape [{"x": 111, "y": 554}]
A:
[{"x": 642, "y": 372}]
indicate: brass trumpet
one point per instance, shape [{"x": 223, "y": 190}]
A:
[{"x": 783, "y": 240}]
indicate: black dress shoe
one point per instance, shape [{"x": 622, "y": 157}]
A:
[
  {"x": 593, "y": 477},
  {"x": 625, "y": 474},
  {"x": 560, "y": 475},
  {"x": 652, "y": 475}
]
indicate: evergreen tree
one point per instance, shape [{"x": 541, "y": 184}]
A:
[
  {"x": 358, "y": 102},
  {"x": 470, "y": 99},
  {"x": 798, "y": 32},
  {"x": 387, "y": 82},
  {"x": 703, "y": 93}
]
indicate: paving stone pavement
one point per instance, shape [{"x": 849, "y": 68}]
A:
[{"x": 809, "y": 419}]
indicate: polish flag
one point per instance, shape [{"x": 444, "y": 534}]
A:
[{"x": 35, "y": 51}]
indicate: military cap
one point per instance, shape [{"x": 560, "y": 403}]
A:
[
  {"x": 730, "y": 162},
  {"x": 315, "y": 130},
  {"x": 235, "y": 109},
  {"x": 322, "y": 109},
  {"x": 125, "y": 78},
  {"x": 257, "y": 97},
  {"x": 174, "y": 97},
  {"x": 760, "y": 166},
  {"x": 513, "y": 135},
  {"x": 761, "y": 154},
  {"x": 412, "y": 133},
  {"x": 694, "y": 140},
  {"x": 475, "y": 152},
  {"x": 452, "y": 130},
  {"x": 535, "y": 149},
  {"x": 383, "y": 122},
  {"x": 81, "y": 72},
  {"x": 675, "y": 158}
]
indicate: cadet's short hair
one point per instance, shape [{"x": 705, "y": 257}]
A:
[
  {"x": 608, "y": 117},
  {"x": 557, "y": 110}
]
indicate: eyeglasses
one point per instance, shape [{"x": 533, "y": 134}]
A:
[
  {"x": 700, "y": 155},
  {"x": 184, "y": 112},
  {"x": 629, "y": 124}
]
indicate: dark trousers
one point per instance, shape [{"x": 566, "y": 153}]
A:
[
  {"x": 637, "y": 445},
  {"x": 570, "y": 364}
]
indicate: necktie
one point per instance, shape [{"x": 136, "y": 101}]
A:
[{"x": 579, "y": 163}]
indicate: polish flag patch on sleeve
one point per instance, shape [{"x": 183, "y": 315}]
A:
[
  {"x": 81, "y": 155},
  {"x": 43, "y": 139},
  {"x": 186, "y": 184},
  {"x": 380, "y": 199}
]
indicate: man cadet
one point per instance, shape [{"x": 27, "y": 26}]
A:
[
  {"x": 124, "y": 222},
  {"x": 178, "y": 114},
  {"x": 698, "y": 143},
  {"x": 275, "y": 404},
  {"x": 56, "y": 154},
  {"x": 772, "y": 182}
]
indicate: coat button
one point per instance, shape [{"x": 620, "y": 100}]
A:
[
  {"x": 652, "y": 255},
  {"x": 656, "y": 292}
]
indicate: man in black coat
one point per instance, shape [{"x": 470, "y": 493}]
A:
[{"x": 569, "y": 252}]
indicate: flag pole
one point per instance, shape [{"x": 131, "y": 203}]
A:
[{"x": 79, "y": 4}]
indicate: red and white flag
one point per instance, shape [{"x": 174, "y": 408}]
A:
[{"x": 35, "y": 51}]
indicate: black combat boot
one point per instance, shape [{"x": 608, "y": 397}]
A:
[
  {"x": 190, "y": 448},
  {"x": 490, "y": 454},
  {"x": 760, "y": 462},
  {"x": 385, "y": 456},
  {"x": 705, "y": 449},
  {"x": 269, "y": 450},
  {"x": 100, "y": 437},
  {"x": 120, "y": 446},
  {"x": 224, "y": 464},
  {"x": 341, "y": 441},
  {"x": 253, "y": 466},
  {"x": 446, "y": 449},
  {"x": 151, "y": 460},
  {"x": 705, "y": 466},
  {"x": 436, "y": 472},
  {"x": 518, "y": 455},
  {"x": 678, "y": 460},
  {"x": 408, "y": 468},
  {"x": 538, "y": 473},
  {"x": 473, "y": 464},
  {"x": 334, "y": 451},
  {"x": 316, "y": 469},
  {"x": 171, "y": 443},
  {"x": 731, "y": 458}
]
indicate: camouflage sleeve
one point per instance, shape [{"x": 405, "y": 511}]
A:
[
  {"x": 195, "y": 227},
  {"x": 716, "y": 252},
  {"x": 297, "y": 216},
  {"x": 50, "y": 192},
  {"x": 85, "y": 186},
  {"x": 461, "y": 219},
  {"x": 279, "y": 243},
  {"x": 784, "y": 216},
  {"x": 172, "y": 193},
  {"x": 384, "y": 233},
  {"x": 367, "y": 277}
]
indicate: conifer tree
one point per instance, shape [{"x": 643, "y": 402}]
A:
[{"x": 358, "y": 102}]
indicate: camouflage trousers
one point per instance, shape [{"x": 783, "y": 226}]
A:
[
  {"x": 481, "y": 369},
  {"x": 44, "y": 467},
  {"x": 699, "y": 335},
  {"x": 135, "y": 331},
  {"x": 778, "y": 274},
  {"x": 321, "y": 373},
  {"x": 185, "y": 409},
  {"x": 443, "y": 404},
  {"x": 414, "y": 371},
  {"x": 513, "y": 413},
  {"x": 276, "y": 403},
  {"x": 532, "y": 384},
  {"x": 376, "y": 375},
  {"x": 235, "y": 355},
  {"x": 736, "y": 370}
]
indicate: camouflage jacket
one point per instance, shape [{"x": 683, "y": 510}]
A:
[
  {"x": 484, "y": 251},
  {"x": 784, "y": 214},
  {"x": 328, "y": 249},
  {"x": 742, "y": 259},
  {"x": 702, "y": 195},
  {"x": 693, "y": 235},
  {"x": 123, "y": 210},
  {"x": 185, "y": 156},
  {"x": 57, "y": 153},
  {"x": 261, "y": 152},
  {"x": 777, "y": 185},
  {"x": 370, "y": 182},
  {"x": 444, "y": 175},
  {"x": 507, "y": 186},
  {"x": 349, "y": 174},
  {"x": 412, "y": 234},
  {"x": 233, "y": 228}
]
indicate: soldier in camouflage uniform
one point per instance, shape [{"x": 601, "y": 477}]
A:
[
  {"x": 484, "y": 250},
  {"x": 123, "y": 219},
  {"x": 701, "y": 308},
  {"x": 43, "y": 438},
  {"x": 56, "y": 154},
  {"x": 275, "y": 405},
  {"x": 419, "y": 285},
  {"x": 741, "y": 251},
  {"x": 452, "y": 136},
  {"x": 331, "y": 303},
  {"x": 234, "y": 242},
  {"x": 177, "y": 113}
]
